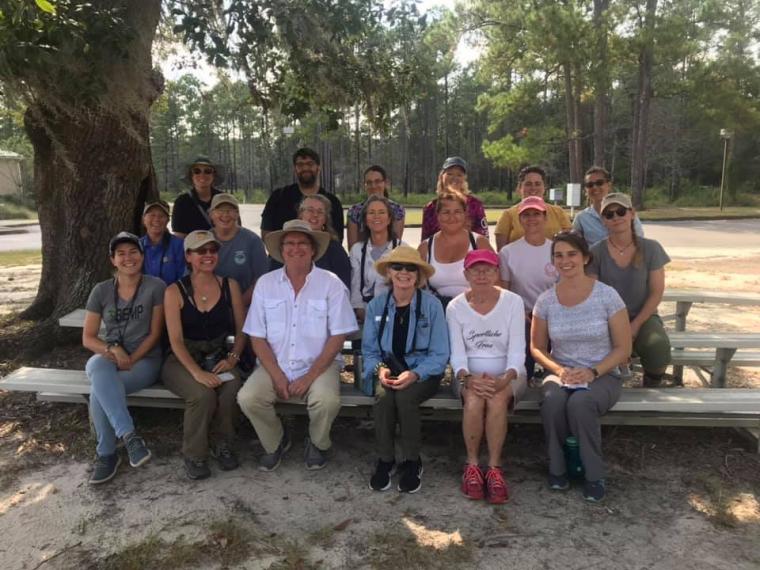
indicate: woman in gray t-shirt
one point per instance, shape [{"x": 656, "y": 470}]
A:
[
  {"x": 587, "y": 325},
  {"x": 635, "y": 267},
  {"x": 131, "y": 307}
]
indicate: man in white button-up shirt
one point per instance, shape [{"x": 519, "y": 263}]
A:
[{"x": 298, "y": 320}]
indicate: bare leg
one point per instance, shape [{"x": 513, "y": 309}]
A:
[
  {"x": 496, "y": 425},
  {"x": 472, "y": 424}
]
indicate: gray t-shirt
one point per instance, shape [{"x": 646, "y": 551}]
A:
[
  {"x": 128, "y": 322},
  {"x": 243, "y": 258},
  {"x": 632, "y": 283},
  {"x": 580, "y": 335}
]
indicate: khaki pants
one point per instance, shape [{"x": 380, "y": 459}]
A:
[
  {"x": 257, "y": 398},
  {"x": 208, "y": 411}
]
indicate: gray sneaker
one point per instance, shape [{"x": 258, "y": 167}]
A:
[
  {"x": 136, "y": 450},
  {"x": 104, "y": 468},
  {"x": 196, "y": 469},
  {"x": 227, "y": 459},
  {"x": 313, "y": 456},
  {"x": 271, "y": 461}
]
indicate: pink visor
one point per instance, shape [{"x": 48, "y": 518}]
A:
[{"x": 481, "y": 256}]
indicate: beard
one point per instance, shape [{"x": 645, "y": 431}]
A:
[{"x": 307, "y": 178}]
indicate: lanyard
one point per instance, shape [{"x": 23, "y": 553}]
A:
[{"x": 384, "y": 319}]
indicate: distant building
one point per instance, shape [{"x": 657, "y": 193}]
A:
[{"x": 10, "y": 173}]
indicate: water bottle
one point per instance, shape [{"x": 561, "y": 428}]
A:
[{"x": 573, "y": 458}]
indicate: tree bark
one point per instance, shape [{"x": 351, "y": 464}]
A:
[
  {"x": 93, "y": 171},
  {"x": 572, "y": 117},
  {"x": 601, "y": 83},
  {"x": 640, "y": 131}
]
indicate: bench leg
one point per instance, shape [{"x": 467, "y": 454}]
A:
[
  {"x": 752, "y": 435},
  {"x": 682, "y": 310},
  {"x": 722, "y": 357}
]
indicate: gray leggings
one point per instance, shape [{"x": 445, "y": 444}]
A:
[{"x": 564, "y": 412}]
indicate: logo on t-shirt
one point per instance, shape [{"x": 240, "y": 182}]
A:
[
  {"x": 239, "y": 257},
  {"x": 126, "y": 313},
  {"x": 483, "y": 339}
]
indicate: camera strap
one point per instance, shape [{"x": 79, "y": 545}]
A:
[
  {"x": 384, "y": 320},
  {"x": 121, "y": 329}
]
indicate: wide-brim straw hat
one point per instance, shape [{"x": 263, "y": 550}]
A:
[
  {"x": 403, "y": 254},
  {"x": 273, "y": 240}
]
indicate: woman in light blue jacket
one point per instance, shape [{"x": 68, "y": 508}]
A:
[{"x": 405, "y": 344}]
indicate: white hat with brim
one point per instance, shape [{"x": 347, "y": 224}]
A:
[
  {"x": 403, "y": 254},
  {"x": 273, "y": 240},
  {"x": 199, "y": 238}
]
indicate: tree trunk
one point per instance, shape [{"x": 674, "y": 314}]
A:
[
  {"x": 572, "y": 118},
  {"x": 601, "y": 83},
  {"x": 93, "y": 172},
  {"x": 641, "y": 108}
]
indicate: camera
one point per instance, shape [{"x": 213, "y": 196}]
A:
[{"x": 211, "y": 360}]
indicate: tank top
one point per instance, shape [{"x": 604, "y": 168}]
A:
[
  {"x": 448, "y": 279},
  {"x": 208, "y": 325}
]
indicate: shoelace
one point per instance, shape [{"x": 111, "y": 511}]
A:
[
  {"x": 495, "y": 479},
  {"x": 223, "y": 451},
  {"x": 473, "y": 476},
  {"x": 134, "y": 443}
]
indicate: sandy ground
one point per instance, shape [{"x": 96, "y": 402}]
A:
[{"x": 678, "y": 498}]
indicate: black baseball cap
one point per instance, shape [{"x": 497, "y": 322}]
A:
[{"x": 124, "y": 237}]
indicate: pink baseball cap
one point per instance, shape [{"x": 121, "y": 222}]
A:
[
  {"x": 532, "y": 203},
  {"x": 480, "y": 256}
]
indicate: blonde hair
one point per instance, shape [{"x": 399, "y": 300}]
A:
[
  {"x": 440, "y": 189},
  {"x": 638, "y": 257}
]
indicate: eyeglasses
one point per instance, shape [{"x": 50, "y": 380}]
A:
[
  {"x": 598, "y": 183},
  {"x": 311, "y": 210},
  {"x": 203, "y": 170},
  {"x": 409, "y": 267},
  {"x": 609, "y": 213},
  {"x": 210, "y": 250},
  {"x": 483, "y": 270}
]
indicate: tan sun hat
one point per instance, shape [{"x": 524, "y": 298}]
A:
[
  {"x": 616, "y": 198},
  {"x": 403, "y": 254},
  {"x": 224, "y": 198},
  {"x": 273, "y": 240},
  {"x": 199, "y": 238}
]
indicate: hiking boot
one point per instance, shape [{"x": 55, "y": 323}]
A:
[
  {"x": 225, "y": 456},
  {"x": 651, "y": 380},
  {"x": 410, "y": 480},
  {"x": 136, "y": 450},
  {"x": 313, "y": 457},
  {"x": 558, "y": 482},
  {"x": 197, "y": 469},
  {"x": 381, "y": 478},
  {"x": 104, "y": 469},
  {"x": 498, "y": 491},
  {"x": 472, "y": 482},
  {"x": 593, "y": 491},
  {"x": 271, "y": 461}
]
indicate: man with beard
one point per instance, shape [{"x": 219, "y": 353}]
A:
[{"x": 282, "y": 205}]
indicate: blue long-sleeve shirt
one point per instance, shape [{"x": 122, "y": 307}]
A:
[
  {"x": 430, "y": 353},
  {"x": 165, "y": 260}
]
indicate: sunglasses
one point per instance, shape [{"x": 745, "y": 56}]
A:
[
  {"x": 598, "y": 183},
  {"x": 210, "y": 250},
  {"x": 410, "y": 267},
  {"x": 203, "y": 170},
  {"x": 609, "y": 213}
]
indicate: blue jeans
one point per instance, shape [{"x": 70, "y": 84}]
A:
[{"x": 108, "y": 396}]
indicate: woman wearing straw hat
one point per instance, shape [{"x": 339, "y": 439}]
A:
[
  {"x": 202, "y": 311},
  {"x": 129, "y": 359},
  {"x": 191, "y": 208},
  {"x": 405, "y": 344},
  {"x": 486, "y": 328},
  {"x": 164, "y": 252}
]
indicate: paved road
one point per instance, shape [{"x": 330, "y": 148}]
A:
[{"x": 690, "y": 239}]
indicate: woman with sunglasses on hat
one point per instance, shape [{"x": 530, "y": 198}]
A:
[
  {"x": 378, "y": 225},
  {"x": 376, "y": 184},
  {"x": 453, "y": 178},
  {"x": 587, "y": 325},
  {"x": 588, "y": 222},
  {"x": 487, "y": 336},
  {"x": 405, "y": 344},
  {"x": 531, "y": 181},
  {"x": 129, "y": 359},
  {"x": 202, "y": 311},
  {"x": 635, "y": 267},
  {"x": 191, "y": 208},
  {"x": 164, "y": 252},
  {"x": 445, "y": 250}
]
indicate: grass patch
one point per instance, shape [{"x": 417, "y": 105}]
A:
[
  {"x": 19, "y": 258},
  {"x": 13, "y": 208},
  {"x": 714, "y": 501}
]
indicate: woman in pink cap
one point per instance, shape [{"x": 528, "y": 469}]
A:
[{"x": 487, "y": 336}]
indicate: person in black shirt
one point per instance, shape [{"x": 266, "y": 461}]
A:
[
  {"x": 190, "y": 210},
  {"x": 282, "y": 205}
]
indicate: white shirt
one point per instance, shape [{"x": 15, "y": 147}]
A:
[
  {"x": 374, "y": 285},
  {"x": 528, "y": 268},
  {"x": 297, "y": 327},
  {"x": 492, "y": 343}
]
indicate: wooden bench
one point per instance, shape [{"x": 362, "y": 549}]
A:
[{"x": 723, "y": 350}]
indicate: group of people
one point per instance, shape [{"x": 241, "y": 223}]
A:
[{"x": 232, "y": 322}]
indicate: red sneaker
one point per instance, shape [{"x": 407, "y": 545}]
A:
[
  {"x": 472, "y": 482},
  {"x": 498, "y": 491}
]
